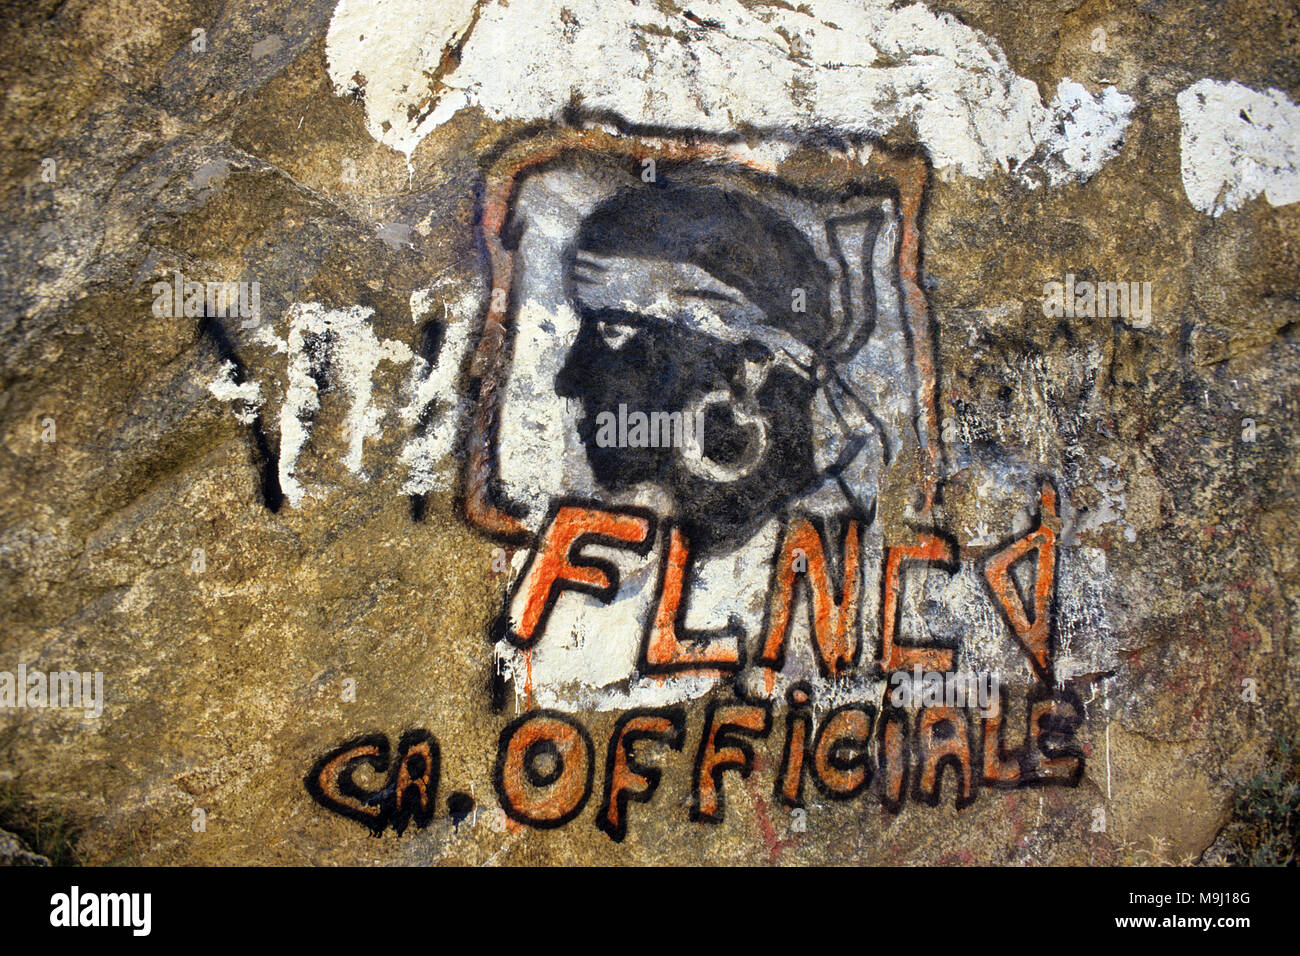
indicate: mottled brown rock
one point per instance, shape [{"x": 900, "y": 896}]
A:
[{"x": 223, "y": 686}]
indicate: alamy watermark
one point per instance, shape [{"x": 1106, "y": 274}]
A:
[
  {"x": 75, "y": 909},
  {"x": 1106, "y": 300},
  {"x": 217, "y": 300},
  {"x": 650, "y": 430},
  {"x": 945, "y": 689},
  {"x": 62, "y": 689}
]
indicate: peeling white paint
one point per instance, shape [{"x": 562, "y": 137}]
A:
[
  {"x": 1091, "y": 131},
  {"x": 341, "y": 344},
  {"x": 1113, "y": 505},
  {"x": 1086, "y": 641},
  {"x": 432, "y": 392},
  {"x": 1238, "y": 143},
  {"x": 856, "y": 66},
  {"x": 246, "y": 397}
]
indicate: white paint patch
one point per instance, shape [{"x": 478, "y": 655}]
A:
[
  {"x": 1085, "y": 635},
  {"x": 434, "y": 396},
  {"x": 246, "y": 397},
  {"x": 341, "y": 344},
  {"x": 1091, "y": 131},
  {"x": 1238, "y": 143},
  {"x": 857, "y": 66},
  {"x": 1113, "y": 506},
  {"x": 410, "y": 37}
]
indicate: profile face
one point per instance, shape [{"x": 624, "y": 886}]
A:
[
  {"x": 762, "y": 318},
  {"x": 681, "y": 317}
]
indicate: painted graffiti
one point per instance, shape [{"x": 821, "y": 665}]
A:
[
  {"x": 673, "y": 278},
  {"x": 545, "y": 773},
  {"x": 786, "y": 566}
]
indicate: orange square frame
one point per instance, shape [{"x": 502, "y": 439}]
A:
[{"x": 903, "y": 173}]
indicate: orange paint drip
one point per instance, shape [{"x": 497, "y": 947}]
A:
[{"x": 528, "y": 679}]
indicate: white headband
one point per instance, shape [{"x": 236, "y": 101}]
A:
[{"x": 683, "y": 292}]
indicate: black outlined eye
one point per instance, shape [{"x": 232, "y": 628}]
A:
[{"x": 615, "y": 334}]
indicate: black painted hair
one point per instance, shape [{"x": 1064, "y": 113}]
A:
[{"x": 734, "y": 238}]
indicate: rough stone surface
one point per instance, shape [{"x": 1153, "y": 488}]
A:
[
  {"x": 13, "y": 852},
  {"x": 240, "y": 643}
]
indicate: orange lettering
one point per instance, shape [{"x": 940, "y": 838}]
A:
[
  {"x": 1034, "y": 637},
  {"x": 723, "y": 747},
  {"x": 833, "y": 621},
  {"x": 930, "y": 549},
  {"x": 669, "y": 646},
  {"x": 626, "y": 777},
  {"x": 558, "y": 564},
  {"x": 543, "y": 771}
]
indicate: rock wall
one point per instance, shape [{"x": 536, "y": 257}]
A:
[{"x": 718, "y": 432}]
